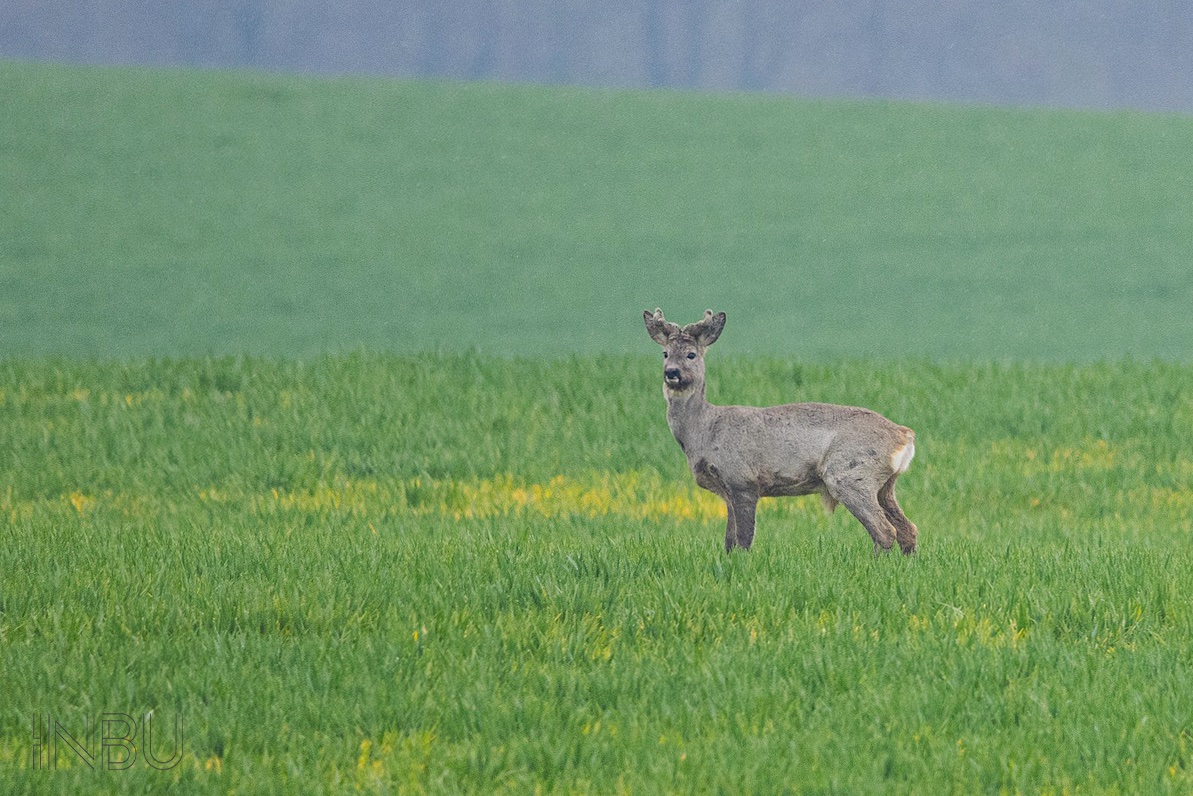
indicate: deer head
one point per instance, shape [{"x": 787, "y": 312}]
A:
[{"x": 683, "y": 348}]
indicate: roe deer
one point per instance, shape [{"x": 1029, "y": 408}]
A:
[{"x": 742, "y": 453}]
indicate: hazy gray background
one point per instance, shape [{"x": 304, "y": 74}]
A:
[{"x": 1087, "y": 53}]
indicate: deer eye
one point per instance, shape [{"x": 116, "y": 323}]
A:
[
  {"x": 691, "y": 355},
  {"x": 664, "y": 355}
]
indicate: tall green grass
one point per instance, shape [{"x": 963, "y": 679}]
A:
[
  {"x": 149, "y": 213},
  {"x": 448, "y": 573},
  {"x": 434, "y": 570}
]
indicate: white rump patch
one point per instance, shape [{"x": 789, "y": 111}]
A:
[{"x": 901, "y": 458}]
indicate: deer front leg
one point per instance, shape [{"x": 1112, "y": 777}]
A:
[
  {"x": 709, "y": 477},
  {"x": 742, "y": 507},
  {"x": 730, "y": 526}
]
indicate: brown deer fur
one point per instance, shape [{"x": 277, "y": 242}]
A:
[{"x": 848, "y": 455}]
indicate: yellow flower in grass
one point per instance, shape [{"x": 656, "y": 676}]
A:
[
  {"x": 81, "y": 502},
  {"x": 627, "y": 495}
]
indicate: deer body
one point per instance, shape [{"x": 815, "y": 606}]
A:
[{"x": 846, "y": 454}]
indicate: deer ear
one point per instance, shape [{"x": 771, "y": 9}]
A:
[
  {"x": 659, "y": 328},
  {"x": 707, "y": 331}
]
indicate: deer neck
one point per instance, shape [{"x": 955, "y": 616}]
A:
[{"x": 687, "y": 414}]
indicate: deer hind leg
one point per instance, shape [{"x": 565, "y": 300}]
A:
[
  {"x": 863, "y": 504},
  {"x": 905, "y": 530}
]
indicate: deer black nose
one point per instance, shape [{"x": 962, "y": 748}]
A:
[{"x": 671, "y": 373}]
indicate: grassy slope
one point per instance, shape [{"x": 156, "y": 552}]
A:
[
  {"x": 159, "y": 213},
  {"x": 462, "y": 574}
]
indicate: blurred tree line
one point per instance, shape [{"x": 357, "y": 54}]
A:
[{"x": 1084, "y": 53}]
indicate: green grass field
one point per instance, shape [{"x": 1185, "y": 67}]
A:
[
  {"x": 459, "y": 574},
  {"x": 330, "y": 430},
  {"x": 145, "y": 213}
]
